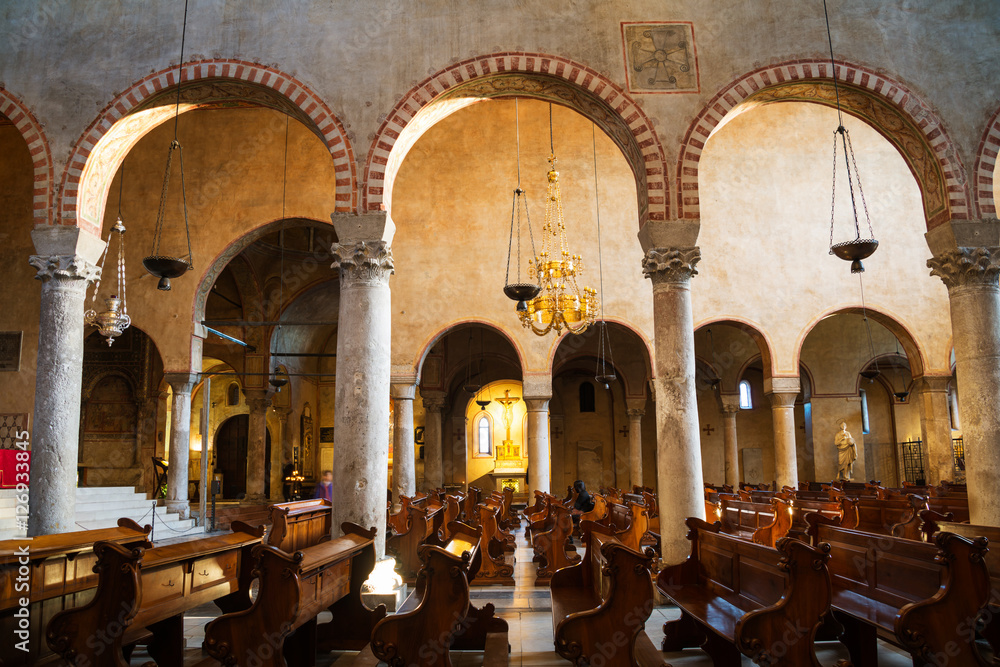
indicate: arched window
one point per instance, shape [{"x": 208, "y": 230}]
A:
[
  {"x": 956, "y": 424},
  {"x": 587, "y": 403},
  {"x": 484, "y": 441},
  {"x": 746, "y": 403},
  {"x": 233, "y": 394}
]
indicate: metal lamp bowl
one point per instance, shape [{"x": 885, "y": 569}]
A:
[
  {"x": 854, "y": 250},
  {"x": 521, "y": 291},
  {"x": 165, "y": 267}
]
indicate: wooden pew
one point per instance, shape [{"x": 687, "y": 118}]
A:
[
  {"x": 550, "y": 545},
  {"x": 300, "y": 523},
  {"x": 880, "y": 515},
  {"x": 61, "y": 576},
  {"x": 738, "y": 597},
  {"x": 438, "y": 616},
  {"x": 637, "y": 525},
  {"x": 844, "y": 508},
  {"x": 280, "y": 628},
  {"x": 759, "y": 523},
  {"x": 596, "y": 514},
  {"x": 141, "y": 591},
  {"x": 956, "y": 505},
  {"x": 617, "y": 516},
  {"x": 510, "y": 518},
  {"x": 922, "y": 597},
  {"x": 399, "y": 522},
  {"x": 472, "y": 498},
  {"x": 494, "y": 568},
  {"x": 604, "y": 599},
  {"x": 424, "y": 524},
  {"x": 452, "y": 511},
  {"x": 506, "y": 540}
]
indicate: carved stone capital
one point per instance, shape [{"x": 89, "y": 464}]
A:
[
  {"x": 966, "y": 267},
  {"x": 636, "y": 413},
  {"x": 67, "y": 267},
  {"x": 729, "y": 404},
  {"x": 433, "y": 403},
  {"x": 671, "y": 265},
  {"x": 363, "y": 262},
  {"x": 181, "y": 383},
  {"x": 781, "y": 399},
  {"x": 258, "y": 400}
]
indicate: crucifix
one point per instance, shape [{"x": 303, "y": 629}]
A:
[
  {"x": 508, "y": 401},
  {"x": 708, "y": 429}
]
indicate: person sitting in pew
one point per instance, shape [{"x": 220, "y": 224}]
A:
[{"x": 584, "y": 501}]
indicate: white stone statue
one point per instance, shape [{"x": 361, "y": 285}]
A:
[{"x": 847, "y": 451}]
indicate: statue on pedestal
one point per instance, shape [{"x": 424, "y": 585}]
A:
[{"x": 847, "y": 452}]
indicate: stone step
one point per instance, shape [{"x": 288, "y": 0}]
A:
[{"x": 87, "y": 491}]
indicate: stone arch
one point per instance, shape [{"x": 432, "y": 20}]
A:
[
  {"x": 986, "y": 160},
  {"x": 888, "y": 106},
  {"x": 578, "y": 342},
  {"x": 14, "y": 110},
  {"x": 99, "y": 152},
  {"x": 506, "y": 75},
  {"x": 915, "y": 353},
  {"x": 765, "y": 347},
  {"x": 431, "y": 341}
]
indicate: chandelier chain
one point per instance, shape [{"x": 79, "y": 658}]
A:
[
  {"x": 833, "y": 65},
  {"x": 180, "y": 69},
  {"x": 281, "y": 237},
  {"x": 833, "y": 197},
  {"x": 861, "y": 191},
  {"x": 864, "y": 316},
  {"x": 187, "y": 230},
  {"x": 163, "y": 198}
]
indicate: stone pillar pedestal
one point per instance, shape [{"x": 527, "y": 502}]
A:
[
  {"x": 669, "y": 263},
  {"x": 404, "y": 473},
  {"x": 782, "y": 393},
  {"x": 935, "y": 427},
  {"x": 55, "y": 434},
  {"x": 281, "y": 454},
  {"x": 967, "y": 259},
  {"x": 635, "y": 415},
  {"x": 731, "y": 447},
  {"x": 433, "y": 456},
  {"x": 361, "y": 460},
  {"x": 180, "y": 441},
  {"x": 258, "y": 400},
  {"x": 539, "y": 463}
]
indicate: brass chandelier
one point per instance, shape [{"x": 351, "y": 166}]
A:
[
  {"x": 561, "y": 302},
  {"x": 113, "y": 320}
]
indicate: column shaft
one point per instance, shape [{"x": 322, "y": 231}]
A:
[
  {"x": 281, "y": 454},
  {"x": 635, "y": 446},
  {"x": 258, "y": 400},
  {"x": 433, "y": 456},
  {"x": 782, "y": 392},
  {"x": 539, "y": 462},
  {"x": 731, "y": 445},
  {"x": 180, "y": 441},
  {"x": 935, "y": 428},
  {"x": 404, "y": 474}
]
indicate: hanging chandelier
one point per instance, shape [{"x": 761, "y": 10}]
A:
[
  {"x": 561, "y": 302},
  {"x": 113, "y": 320},
  {"x": 166, "y": 267},
  {"x": 859, "y": 248},
  {"x": 604, "y": 373}
]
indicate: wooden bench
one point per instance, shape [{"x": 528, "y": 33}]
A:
[
  {"x": 510, "y": 518},
  {"x": 738, "y": 597},
  {"x": 494, "y": 569},
  {"x": 438, "y": 616},
  {"x": 399, "y": 522},
  {"x": 921, "y": 597},
  {"x": 956, "y": 505},
  {"x": 877, "y": 515},
  {"x": 280, "y": 627},
  {"x": 760, "y": 523},
  {"x": 141, "y": 591},
  {"x": 603, "y": 602},
  {"x": 423, "y": 524},
  {"x": 550, "y": 545},
  {"x": 61, "y": 576},
  {"x": 472, "y": 498},
  {"x": 844, "y": 508},
  {"x": 300, "y": 523},
  {"x": 506, "y": 540}
]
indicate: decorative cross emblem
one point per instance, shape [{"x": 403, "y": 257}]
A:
[
  {"x": 556, "y": 432},
  {"x": 458, "y": 434},
  {"x": 708, "y": 429},
  {"x": 624, "y": 431}
]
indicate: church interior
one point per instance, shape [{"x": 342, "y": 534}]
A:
[{"x": 633, "y": 333}]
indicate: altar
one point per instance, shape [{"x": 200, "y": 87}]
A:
[{"x": 511, "y": 468}]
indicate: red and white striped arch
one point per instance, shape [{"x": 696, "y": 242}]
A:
[{"x": 14, "y": 110}]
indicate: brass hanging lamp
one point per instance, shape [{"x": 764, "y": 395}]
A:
[
  {"x": 165, "y": 266},
  {"x": 518, "y": 290},
  {"x": 112, "y": 321}
]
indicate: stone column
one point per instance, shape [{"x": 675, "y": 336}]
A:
[
  {"x": 55, "y": 434},
  {"x": 258, "y": 400},
  {"x": 281, "y": 453},
  {"x": 669, "y": 263},
  {"x": 361, "y": 459},
  {"x": 539, "y": 461},
  {"x": 967, "y": 259},
  {"x": 935, "y": 427},
  {"x": 180, "y": 441},
  {"x": 782, "y": 393},
  {"x": 433, "y": 456},
  {"x": 730, "y": 409},
  {"x": 635, "y": 415},
  {"x": 404, "y": 474}
]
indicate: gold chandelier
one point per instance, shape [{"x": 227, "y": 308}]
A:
[{"x": 561, "y": 302}]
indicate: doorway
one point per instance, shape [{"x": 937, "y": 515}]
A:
[{"x": 231, "y": 457}]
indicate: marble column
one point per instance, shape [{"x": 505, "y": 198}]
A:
[
  {"x": 731, "y": 447},
  {"x": 361, "y": 413},
  {"x": 967, "y": 258},
  {"x": 669, "y": 262},
  {"x": 258, "y": 400},
  {"x": 55, "y": 433},
  {"x": 404, "y": 475},
  {"x": 180, "y": 441},
  {"x": 281, "y": 453},
  {"x": 935, "y": 427},
  {"x": 635, "y": 415},
  {"x": 539, "y": 460},
  {"x": 433, "y": 456},
  {"x": 782, "y": 393}
]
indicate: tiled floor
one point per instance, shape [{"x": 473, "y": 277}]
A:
[{"x": 528, "y": 614}]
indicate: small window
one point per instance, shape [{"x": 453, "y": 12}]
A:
[
  {"x": 587, "y": 403},
  {"x": 956, "y": 424},
  {"x": 746, "y": 403},
  {"x": 484, "y": 443},
  {"x": 233, "y": 394},
  {"x": 865, "y": 425}
]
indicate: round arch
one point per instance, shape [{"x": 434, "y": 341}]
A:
[
  {"x": 14, "y": 110},
  {"x": 505, "y": 75},
  {"x": 431, "y": 341},
  {"x": 756, "y": 333},
  {"x": 889, "y": 107},
  {"x": 570, "y": 347},
  {"x": 99, "y": 152},
  {"x": 986, "y": 162},
  {"x": 915, "y": 354}
]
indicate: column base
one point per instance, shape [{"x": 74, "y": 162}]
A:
[
  {"x": 180, "y": 507},
  {"x": 255, "y": 499}
]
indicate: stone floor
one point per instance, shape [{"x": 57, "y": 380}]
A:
[{"x": 527, "y": 611}]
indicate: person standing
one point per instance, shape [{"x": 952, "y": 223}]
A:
[{"x": 325, "y": 488}]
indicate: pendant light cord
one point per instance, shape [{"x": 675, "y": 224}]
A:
[
  {"x": 552, "y": 148},
  {"x": 833, "y": 65},
  {"x": 281, "y": 239},
  {"x": 864, "y": 316},
  {"x": 180, "y": 69},
  {"x": 597, "y": 197}
]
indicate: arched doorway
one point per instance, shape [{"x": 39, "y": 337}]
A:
[{"x": 231, "y": 457}]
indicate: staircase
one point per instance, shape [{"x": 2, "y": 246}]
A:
[{"x": 101, "y": 507}]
